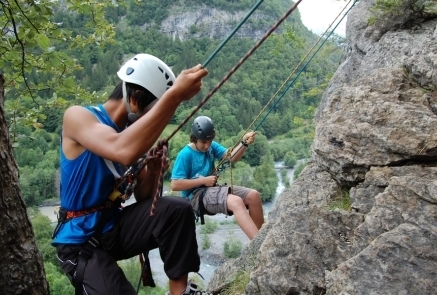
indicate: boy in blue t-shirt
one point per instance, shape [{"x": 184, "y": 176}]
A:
[{"x": 192, "y": 175}]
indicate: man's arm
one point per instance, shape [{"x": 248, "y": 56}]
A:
[{"x": 81, "y": 128}]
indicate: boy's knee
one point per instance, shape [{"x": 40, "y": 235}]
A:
[
  {"x": 234, "y": 201},
  {"x": 253, "y": 196}
]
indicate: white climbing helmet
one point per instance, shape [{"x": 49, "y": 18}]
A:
[{"x": 149, "y": 72}]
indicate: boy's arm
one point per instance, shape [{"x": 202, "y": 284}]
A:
[
  {"x": 187, "y": 184},
  {"x": 239, "y": 151}
]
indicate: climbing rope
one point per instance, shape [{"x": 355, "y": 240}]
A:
[
  {"x": 130, "y": 176},
  {"x": 219, "y": 169},
  {"x": 231, "y": 34}
]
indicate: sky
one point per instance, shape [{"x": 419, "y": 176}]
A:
[{"x": 317, "y": 15}]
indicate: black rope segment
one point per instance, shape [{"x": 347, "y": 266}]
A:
[{"x": 234, "y": 69}]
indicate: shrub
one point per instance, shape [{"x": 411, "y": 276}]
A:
[
  {"x": 209, "y": 227},
  {"x": 206, "y": 242},
  {"x": 232, "y": 247},
  {"x": 341, "y": 202}
]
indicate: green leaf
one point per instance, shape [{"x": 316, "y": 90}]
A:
[{"x": 43, "y": 41}]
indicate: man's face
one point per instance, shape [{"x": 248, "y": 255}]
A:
[{"x": 203, "y": 145}]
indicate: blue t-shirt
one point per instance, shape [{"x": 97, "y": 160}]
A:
[
  {"x": 191, "y": 164},
  {"x": 86, "y": 182}
]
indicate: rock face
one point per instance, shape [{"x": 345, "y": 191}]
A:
[
  {"x": 376, "y": 142},
  {"x": 212, "y": 23}
]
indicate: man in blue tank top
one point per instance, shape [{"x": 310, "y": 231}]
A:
[{"x": 96, "y": 146}]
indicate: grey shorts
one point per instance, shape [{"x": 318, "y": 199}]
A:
[{"x": 216, "y": 197}]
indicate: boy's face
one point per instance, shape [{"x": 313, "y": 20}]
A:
[{"x": 203, "y": 145}]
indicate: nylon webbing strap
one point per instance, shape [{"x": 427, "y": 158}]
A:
[{"x": 87, "y": 251}]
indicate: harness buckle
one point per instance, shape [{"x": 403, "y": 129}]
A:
[{"x": 87, "y": 250}]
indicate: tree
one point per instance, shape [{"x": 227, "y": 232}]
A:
[
  {"x": 30, "y": 45},
  {"x": 265, "y": 179},
  {"x": 20, "y": 261}
]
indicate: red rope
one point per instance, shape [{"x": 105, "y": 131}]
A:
[{"x": 160, "y": 151}]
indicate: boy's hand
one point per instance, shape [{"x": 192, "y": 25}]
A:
[
  {"x": 210, "y": 181},
  {"x": 249, "y": 137}
]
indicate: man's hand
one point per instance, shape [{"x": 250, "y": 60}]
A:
[
  {"x": 189, "y": 82},
  {"x": 154, "y": 165}
]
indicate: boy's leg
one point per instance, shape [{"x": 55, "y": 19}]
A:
[
  {"x": 220, "y": 200},
  {"x": 238, "y": 208},
  {"x": 254, "y": 205},
  {"x": 252, "y": 200}
]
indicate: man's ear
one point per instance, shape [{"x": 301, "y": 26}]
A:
[{"x": 134, "y": 97}]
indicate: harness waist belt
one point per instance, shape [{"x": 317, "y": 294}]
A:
[{"x": 74, "y": 214}]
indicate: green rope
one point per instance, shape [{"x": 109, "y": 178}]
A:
[
  {"x": 304, "y": 67},
  {"x": 231, "y": 34}
]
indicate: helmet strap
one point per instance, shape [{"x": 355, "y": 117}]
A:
[{"x": 131, "y": 116}]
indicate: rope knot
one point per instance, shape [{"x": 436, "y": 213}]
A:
[{"x": 160, "y": 151}]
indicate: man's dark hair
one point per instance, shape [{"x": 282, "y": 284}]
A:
[{"x": 144, "y": 97}]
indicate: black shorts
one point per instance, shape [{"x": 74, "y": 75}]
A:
[{"x": 172, "y": 229}]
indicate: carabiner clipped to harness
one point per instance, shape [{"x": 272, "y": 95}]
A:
[{"x": 221, "y": 169}]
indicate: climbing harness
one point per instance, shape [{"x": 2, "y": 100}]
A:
[{"x": 88, "y": 248}]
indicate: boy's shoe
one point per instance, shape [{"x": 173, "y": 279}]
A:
[{"x": 192, "y": 290}]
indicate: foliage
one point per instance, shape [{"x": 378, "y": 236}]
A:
[
  {"x": 403, "y": 13},
  {"x": 239, "y": 173},
  {"x": 206, "y": 241},
  {"x": 132, "y": 270},
  {"x": 343, "y": 201},
  {"x": 298, "y": 169},
  {"x": 290, "y": 159},
  {"x": 238, "y": 285},
  {"x": 36, "y": 57},
  {"x": 232, "y": 247},
  {"x": 43, "y": 231},
  {"x": 209, "y": 227},
  {"x": 58, "y": 282},
  {"x": 285, "y": 178},
  {"x": 265, "y": 179}
]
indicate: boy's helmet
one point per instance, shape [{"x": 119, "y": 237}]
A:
[
  {"x": 203, "y": 128},
  {"x": 149, "y": 72}
]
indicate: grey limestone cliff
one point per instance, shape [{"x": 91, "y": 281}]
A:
[{"x": 376, "y": 141}]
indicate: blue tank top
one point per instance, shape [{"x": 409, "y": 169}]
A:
[{"x": 86, "y": 182}]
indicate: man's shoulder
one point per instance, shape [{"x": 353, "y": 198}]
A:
[{"x": 75, "y": 110}]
